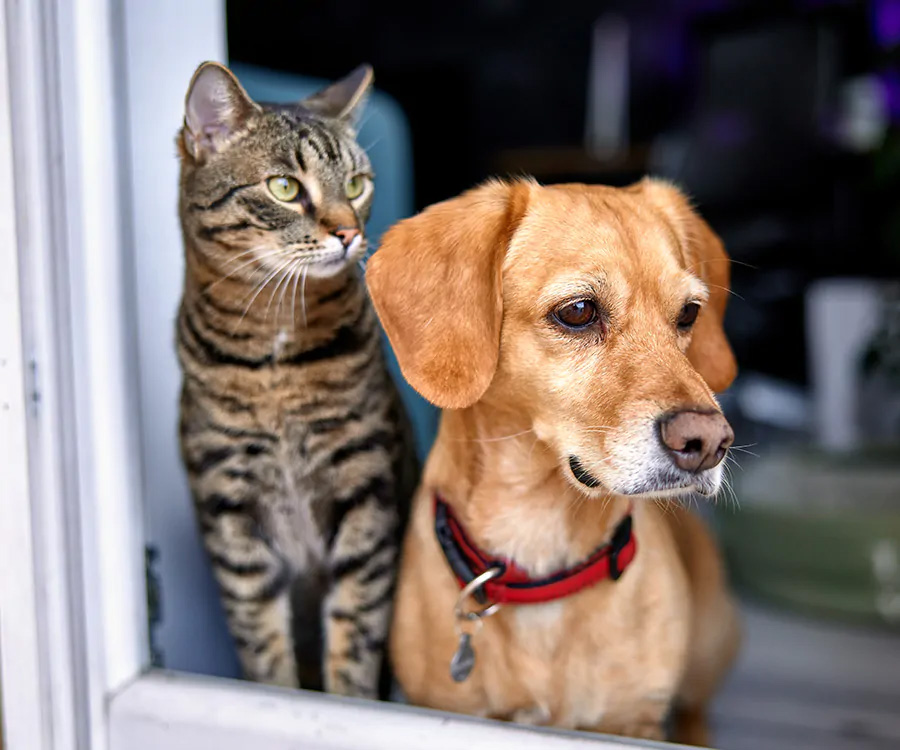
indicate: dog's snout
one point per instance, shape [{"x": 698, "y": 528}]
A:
[{"x": 696, "y": 440}]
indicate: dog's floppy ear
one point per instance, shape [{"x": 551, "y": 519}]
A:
[
  {"x": 435, "y": 282},
  {"x": 709, "y": 352}
]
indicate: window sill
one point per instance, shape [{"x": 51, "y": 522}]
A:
[{"x": 184, "y": 712}]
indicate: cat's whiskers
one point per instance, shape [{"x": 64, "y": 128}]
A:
[
  {"x": 285, "y": 276},
  {"x": 256, "y": 259},
  {"x": 297, "y": 277},
  {"x": 294, "y": 278},
  {"x": 255, "y": 249},
  {"x": 290, "y": 250},
  {"x": 303, "y": 295},
  {"x": 256, "y": 294},
  {"x": 362, "y": 123},
  {"x": 373, "y": 144}
]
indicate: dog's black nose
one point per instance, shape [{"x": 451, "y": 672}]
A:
[{"x": 696, "y": 440}]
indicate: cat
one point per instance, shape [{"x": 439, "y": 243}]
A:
[{"x": 297, "y": 450}]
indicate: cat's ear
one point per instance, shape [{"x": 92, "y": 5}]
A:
[
  {"x": 215, "y": 108},
  {"x": 345, "y": 99}
]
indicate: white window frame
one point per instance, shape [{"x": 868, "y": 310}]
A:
[{"x": 73, "y": 625}]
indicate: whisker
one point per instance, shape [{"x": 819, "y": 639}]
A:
[
  {"x": 294, "y": 298},
  {"x": 254, "y": 249},
  {"x": 493, "y": 439},
  {"x": 244, "y": 265},
  {"x": 668, "y": 505},
  {"x": 726, "y": 289},
  {"x": 544, "y": 447},
  {"x": 723, "y": 260},
  {"x": 281, "y": 277},
  {"x": 730, "y": 493},
  {"x": 363, "y": 120},
  {"x": 259, "y": 289},
  {"x": 303, "y": 294},
  {"x": 372, "y": 144},
  {"x": 284, "y": 276},
  {"x": 292, "y": 281},
  {"x": 578, "y": 499}
]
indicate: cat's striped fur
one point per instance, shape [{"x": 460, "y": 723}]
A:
[{"x": 291, "y": 430}]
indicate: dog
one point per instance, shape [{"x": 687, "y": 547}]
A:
[{"x": 572, "y": 335}]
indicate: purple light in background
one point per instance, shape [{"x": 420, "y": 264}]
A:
[
  {"x": 890, "y": 83},
  {"x": 709, "y": 6},
  {"x": 727, "y": 129},
  {"x": 820, "y": 3},
  {"x": 886, "y": 22}
]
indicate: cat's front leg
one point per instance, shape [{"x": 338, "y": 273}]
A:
[
  {"x": 253, "y": 578},
  {"x": 357, "y": 609},
  {"x": 254, "y": 582}
]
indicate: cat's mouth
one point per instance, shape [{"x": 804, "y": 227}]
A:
[
  {"x": 331, "y": 260},
  {"x": 356, "y": 248}
]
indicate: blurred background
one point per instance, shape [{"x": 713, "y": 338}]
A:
[{"x": 782, "y": 121}]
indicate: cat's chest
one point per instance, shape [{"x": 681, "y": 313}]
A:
[{"x": 292, "y": 509}]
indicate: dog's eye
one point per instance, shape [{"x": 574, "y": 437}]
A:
[
  {"x": 688, "y": 316},
  {"x": 578, "y": 314}
]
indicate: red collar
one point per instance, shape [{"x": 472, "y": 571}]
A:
[{"x": 515, "y": 586}]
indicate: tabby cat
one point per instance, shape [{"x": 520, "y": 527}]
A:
[{"x": 291, "y": 430}]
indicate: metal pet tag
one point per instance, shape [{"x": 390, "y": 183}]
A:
[{"x": 463, "y": 660}]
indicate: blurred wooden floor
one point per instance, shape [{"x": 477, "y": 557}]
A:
[{"x": 803, "y": 685}]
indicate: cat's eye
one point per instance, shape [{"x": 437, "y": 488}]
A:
[
  {"x": 688, "y": 316},
  {"x": 355, "y": 186},
  {"x": 577, "y": 314},
  {"x": 284, "y": 189}
]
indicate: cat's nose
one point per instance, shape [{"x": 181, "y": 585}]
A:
[{"x": 346, "y": 235}]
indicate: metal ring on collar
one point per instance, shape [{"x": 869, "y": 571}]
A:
[{"x": 470, "y": 588}]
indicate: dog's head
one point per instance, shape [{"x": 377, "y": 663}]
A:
[{"x": 594, "y": 313}]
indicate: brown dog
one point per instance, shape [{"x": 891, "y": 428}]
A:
[{"x": 573, "y": 335}]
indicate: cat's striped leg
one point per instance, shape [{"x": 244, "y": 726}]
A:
[
  {"x": 253, "y": 578},
  {"x": 254, "y": 582},
  {"x": 357, "y": 610}
]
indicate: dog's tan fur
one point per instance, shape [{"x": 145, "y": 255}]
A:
[{"x": 465, "y": 291}]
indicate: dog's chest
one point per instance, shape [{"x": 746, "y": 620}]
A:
[{"x": 587, "y": 666}]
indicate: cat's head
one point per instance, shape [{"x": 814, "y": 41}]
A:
[{"x": 274, "y": 189}]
